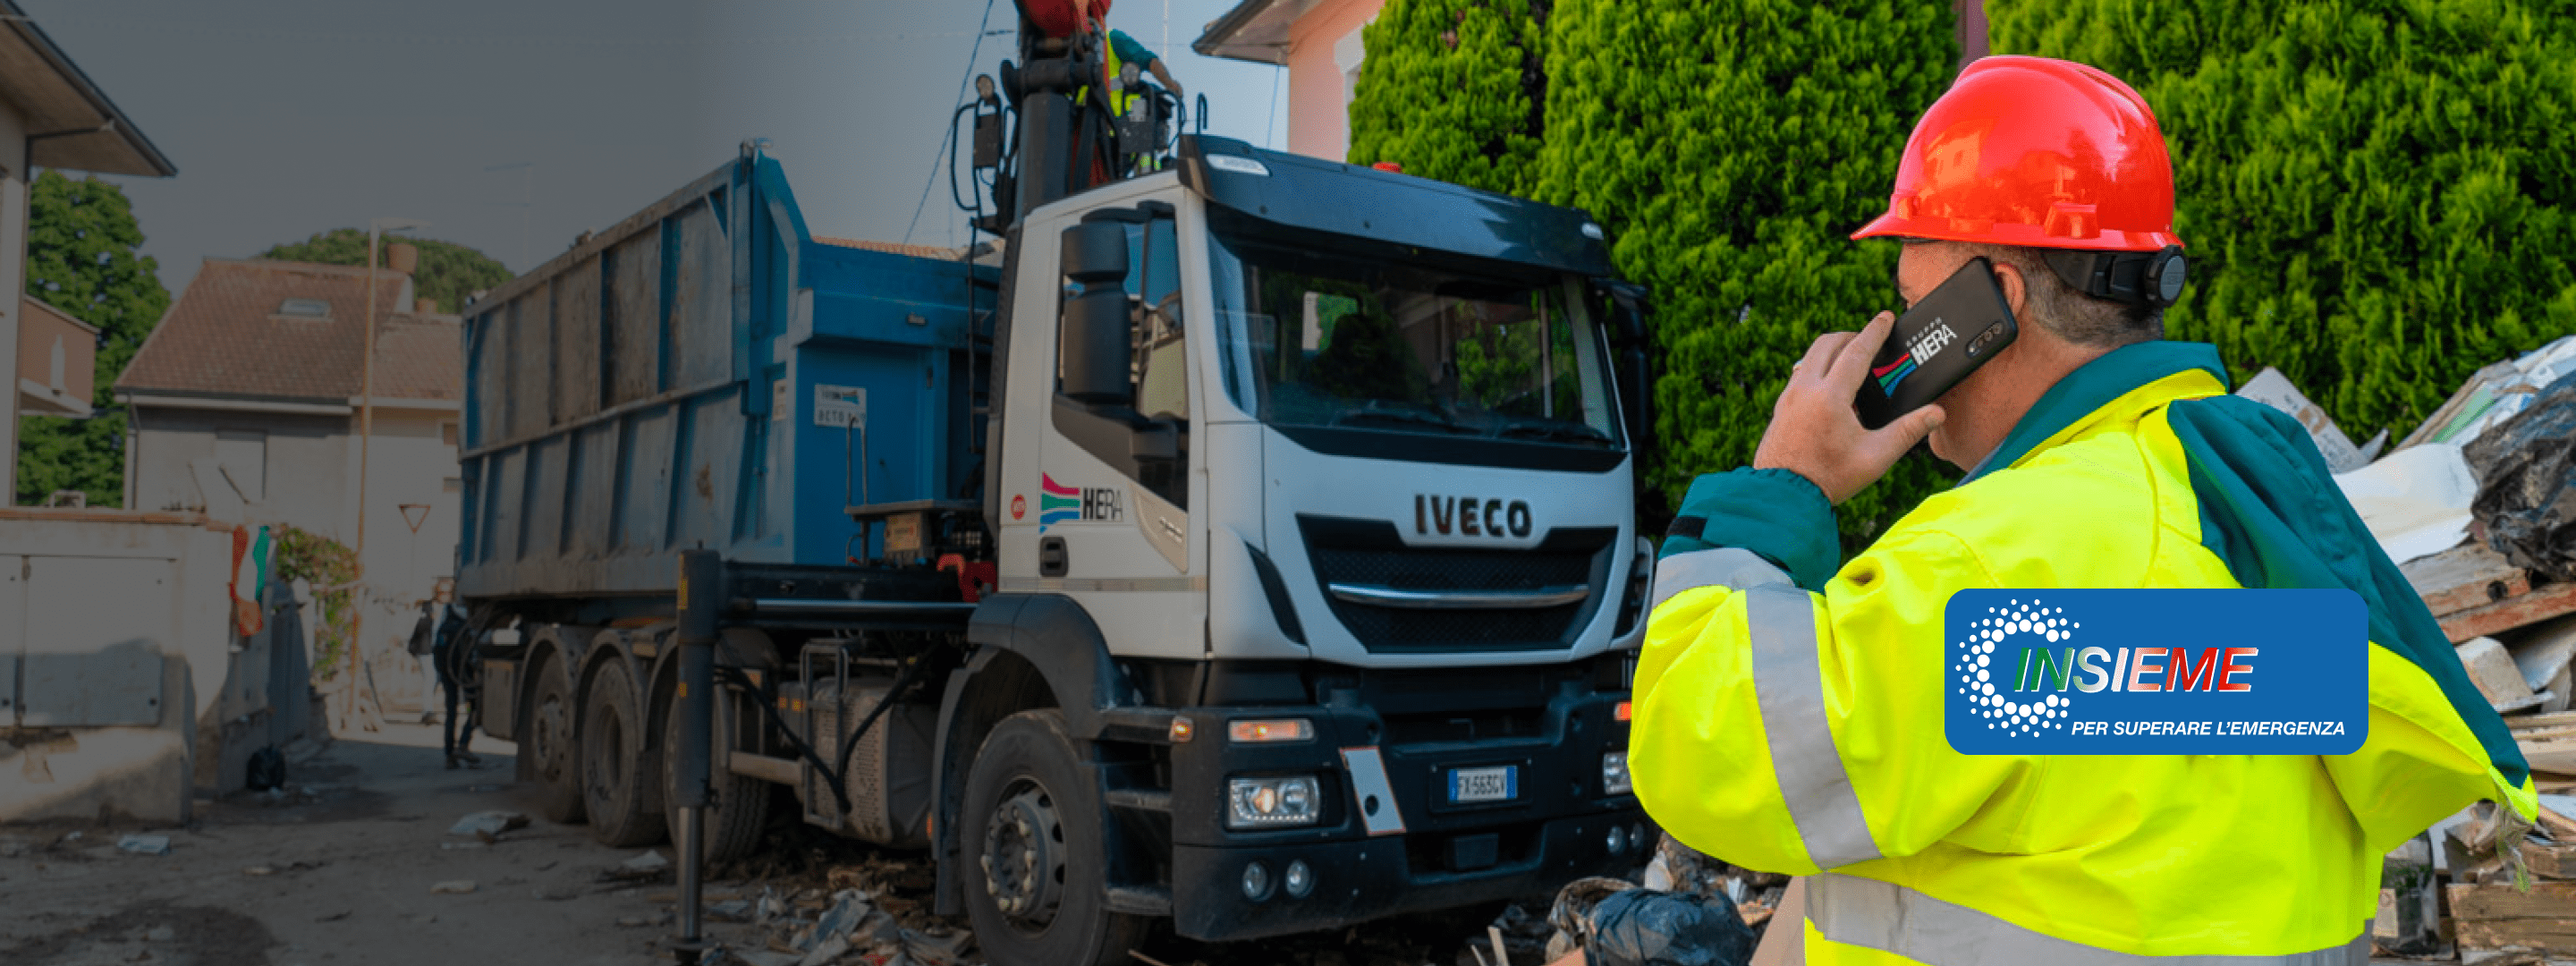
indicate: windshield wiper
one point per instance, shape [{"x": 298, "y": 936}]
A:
[
  {"x": 1408, "y": 417},
  {"x": 1555, "y": 431}
]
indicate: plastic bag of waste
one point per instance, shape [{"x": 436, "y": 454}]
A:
[
  {"x": 265, "y": 770},
  {"x": 2526, "y": 469},
  {"x": 1642, "y": 927}
]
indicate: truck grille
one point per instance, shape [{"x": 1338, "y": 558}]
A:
[{"x": 1372, "y": 553}]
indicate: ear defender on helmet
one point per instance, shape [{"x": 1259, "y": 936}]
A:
[{"x": 2135, "y": 278}]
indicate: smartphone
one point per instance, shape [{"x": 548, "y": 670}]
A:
[{"x": 1936, "y": 344}]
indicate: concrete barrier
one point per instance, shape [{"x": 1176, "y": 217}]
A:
[{"x": 124, "y": 689}]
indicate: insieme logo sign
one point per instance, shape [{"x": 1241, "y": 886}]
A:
[{"x": 2157, "y": 672}]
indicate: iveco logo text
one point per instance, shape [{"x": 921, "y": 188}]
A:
[{"x": 1470, "y": 516}]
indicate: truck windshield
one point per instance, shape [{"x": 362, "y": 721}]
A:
[{"x": 1324, "y": 339}]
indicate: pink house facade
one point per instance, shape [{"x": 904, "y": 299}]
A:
[{"x": 1318, "y": 41}]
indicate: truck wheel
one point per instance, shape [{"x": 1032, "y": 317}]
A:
[
  {"x": 550, "y": 735},
  {"x": 616, "y": 774},
  {"x": 1032, "y": 830},
  {"x": 741, "y": 807}
]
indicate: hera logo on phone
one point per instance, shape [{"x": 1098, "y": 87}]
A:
[
  {"x": 1915, "y": 365},
  {"x": 1926, "y": 344}
]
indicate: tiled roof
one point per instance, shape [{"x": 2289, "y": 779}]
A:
[
  {"x": 419, "y": 358},
  {"x": 226, "y": 336},
  {"x": 897, "y": 248}
]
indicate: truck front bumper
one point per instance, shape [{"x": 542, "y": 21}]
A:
[
  {"x": 1562, "y": 821},
  {"x": 1355, "y": 881}
]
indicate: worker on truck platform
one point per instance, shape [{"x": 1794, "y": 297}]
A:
[
  {"x": 1073, "y": 18},
  {"x": 1789, "y": 711}
]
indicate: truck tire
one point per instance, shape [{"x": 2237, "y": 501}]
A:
[
  {"x": 734, "y": 820},
  {"x": 617, "y": 774},
  {"x": 552, "y": 747},
  {"x": 1032, "y": 833}
]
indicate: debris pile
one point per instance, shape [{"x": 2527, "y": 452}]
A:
[
  {"x": 2526, "y": 468},
  {"x": 845, "y": 927},
  {"x": 1686, "y": 909},
  {"x": 2511, "y": 886},
  {"x": 2478, "y": 507}
]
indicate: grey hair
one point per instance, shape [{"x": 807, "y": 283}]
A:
[{"x": 2065, "y": 311}]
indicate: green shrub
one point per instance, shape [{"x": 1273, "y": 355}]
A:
[
  {"x": 331, "y": 570},
  {"x": 83, "y": 258},
  {"x": 2376, "y": 194},
  {"x": 1451, "y": 90},
  {"x": 1730, "y": 147}
]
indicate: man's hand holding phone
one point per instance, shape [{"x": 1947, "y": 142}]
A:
[{"x": 1814, "y": 430}]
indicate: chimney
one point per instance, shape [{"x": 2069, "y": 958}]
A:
[
  {"x": 402, "y": 257},
  {"x": 424, "y": 307}
]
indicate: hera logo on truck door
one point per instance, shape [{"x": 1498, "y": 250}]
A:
[{"x": 1059, "y": 503}]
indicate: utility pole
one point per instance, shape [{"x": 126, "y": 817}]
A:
[{"x": 376, "y": 229}]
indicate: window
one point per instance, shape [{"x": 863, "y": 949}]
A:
[
  {"x": 243, "y": 453},
  {"x": 1409, "y": 346},
  {"x": 305, "y": 309},
  {"x": 447, "y": 433}
]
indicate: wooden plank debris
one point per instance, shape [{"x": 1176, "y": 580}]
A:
[
  {"x": 2474, "y": 592},
  {"x": 2494, "y": 916}
]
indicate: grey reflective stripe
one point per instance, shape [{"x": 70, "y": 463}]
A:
[
  {"x": 1891, "y": 918},
  {"x": 1730, "y": 567},
  {"x": 1790, "y": 686}
]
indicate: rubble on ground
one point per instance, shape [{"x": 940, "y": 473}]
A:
[
  {"x": 2510, "y": 885},
  {"x": 2478, "y": 506},
  {"x": 489, "y": 825},
  {"x": 1682, "y": 909}
]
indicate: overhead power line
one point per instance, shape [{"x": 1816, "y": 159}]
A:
[{"x": 942, "y": 153}]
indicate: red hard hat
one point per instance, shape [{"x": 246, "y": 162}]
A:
[{"x": 2038, "y": 153}]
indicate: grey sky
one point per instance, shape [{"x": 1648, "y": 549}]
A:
[{"x": 290, "y": 117}]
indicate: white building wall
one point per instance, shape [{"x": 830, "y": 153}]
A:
[{"x": 309, "y": 481}]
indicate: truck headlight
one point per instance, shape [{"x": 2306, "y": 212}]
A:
[
  {"x": 1614, "y": 773},
  {"x": 1271, "y": 802}
]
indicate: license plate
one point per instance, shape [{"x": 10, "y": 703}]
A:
[{"x": 1499, "y": 783}]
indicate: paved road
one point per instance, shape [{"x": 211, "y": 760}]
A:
[{"x": 351, "y": 870}]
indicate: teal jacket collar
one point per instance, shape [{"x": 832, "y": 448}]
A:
[{"x": 2093, "y": 386}]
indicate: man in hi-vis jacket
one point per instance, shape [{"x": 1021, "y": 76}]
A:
[{"x": 1789, "y": 703}]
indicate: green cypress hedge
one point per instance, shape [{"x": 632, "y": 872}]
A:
[
  {"x": 1731, "y": 147},
  {"x": 1451, "y": 90},
  {"x": 2376, "y": 193}
]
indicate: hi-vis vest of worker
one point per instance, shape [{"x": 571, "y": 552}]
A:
[
  {"x": 1788, "y": 713},
  {"x": 1113, "y": 64}
]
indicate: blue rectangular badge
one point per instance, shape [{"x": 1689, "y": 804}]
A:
[{"x": 2157, "y": 672}]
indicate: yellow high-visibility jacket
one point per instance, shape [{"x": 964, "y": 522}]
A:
[{"x": 1789, "y": 713}]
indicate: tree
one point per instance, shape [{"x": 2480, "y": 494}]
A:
[
  {"x": 81, "y": 258},
  {"x": 1453, "y": 90},
  {"x": 1729, "y": 147},
  {"x": 2376, "y": 194},
  {"x": 446, "y": 274}
]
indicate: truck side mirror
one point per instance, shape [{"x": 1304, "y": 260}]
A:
[
  {"x": 1095, "y": 253},
  {"x": 1094, "y": 346},
  {"x": 1627, "y": 304}
]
